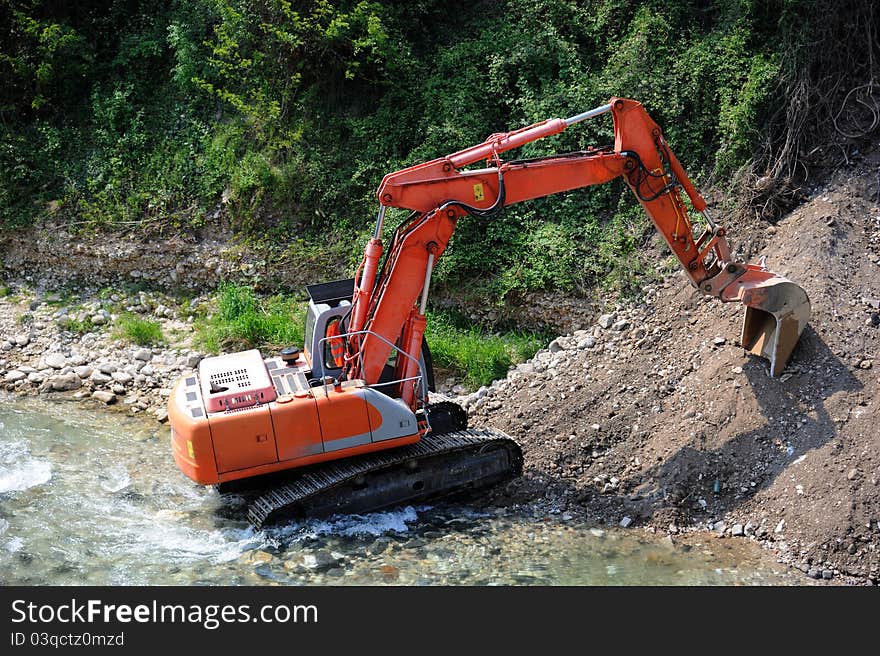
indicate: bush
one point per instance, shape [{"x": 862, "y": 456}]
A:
[
  {"x": 139, "y": 330},
  {"x": 287, "y": 115},
  {"x": 244, "y": 320},
  {"x": 473, "y": 353}
]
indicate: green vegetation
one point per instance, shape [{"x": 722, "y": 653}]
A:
[
  {"x": 469, "y": 351},
  {"x": 244, "y": 320},
  {"x": 139, "y": 330},
  {"x": 285, "y": 116},
  {"x": 80, "y": 327}
]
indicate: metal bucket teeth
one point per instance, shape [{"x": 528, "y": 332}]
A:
[{"x": 777, "y": 311}]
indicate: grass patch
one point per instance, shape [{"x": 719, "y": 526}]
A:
[
  {"x": 475, "y": 354},
  {"x": 139, "y": 331},
  {"x": 244, "y": 320},
  {"x": 79, "y": 327}
]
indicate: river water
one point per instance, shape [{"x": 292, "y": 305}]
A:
[{"x": 89, "y": 496}]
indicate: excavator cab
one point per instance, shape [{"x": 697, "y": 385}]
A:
[{"x": 327, "y": 316}]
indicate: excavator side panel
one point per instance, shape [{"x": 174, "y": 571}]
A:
[
  {"x": 342, "y": 412},
  {"x": 297, "y": 429},
  {"x": 243, "y": 438}
]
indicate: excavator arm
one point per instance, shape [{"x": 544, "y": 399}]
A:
[{"x": 389, "y": 303}]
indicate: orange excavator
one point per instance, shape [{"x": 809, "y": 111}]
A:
[{"x": 345, "y": 424}]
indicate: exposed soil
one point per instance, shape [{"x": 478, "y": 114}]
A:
[{"x": 662, "y": 423}]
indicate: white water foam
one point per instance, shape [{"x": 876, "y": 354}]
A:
[
  {"x": 18, "y": 471},
  {"x": 13, "y": 545},
  {"x": 372, "y": 524},
  {"x": 192, "y": 544},
  {"x": 185, "y": 543},
  {"x": 115, "y": 480},
  {"x": 28, "y": 474}
]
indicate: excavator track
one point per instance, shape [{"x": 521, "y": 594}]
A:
[{"x": 436, "y": 465}]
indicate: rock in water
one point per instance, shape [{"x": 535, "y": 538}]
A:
[{"x": 104, "y": 396}]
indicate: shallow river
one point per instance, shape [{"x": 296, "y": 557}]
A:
[{"x": 93, "y": 497}]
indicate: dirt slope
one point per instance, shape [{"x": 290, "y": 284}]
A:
[{"x": 656, "y": 419}]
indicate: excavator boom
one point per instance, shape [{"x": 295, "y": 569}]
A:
[{"x": 390, "y": 302}]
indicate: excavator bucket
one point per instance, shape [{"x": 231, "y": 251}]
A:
[{"x": 777, "y": 311}]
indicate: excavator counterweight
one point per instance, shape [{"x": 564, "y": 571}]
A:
[{"x": 344, "y": 424}]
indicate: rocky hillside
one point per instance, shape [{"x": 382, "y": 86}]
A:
[{"x": 656, "y": 416}]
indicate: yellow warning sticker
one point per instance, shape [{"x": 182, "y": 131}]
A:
[
  {"x": 478, "y": 192},
  {"x": 189, "y": 449}
]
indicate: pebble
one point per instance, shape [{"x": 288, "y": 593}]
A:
[
  {"x": 107, "y": 368},
  {"x": 145, "y": 355},
  {"x": 23, "y": 339},
  {"x": 98, "y": 319},
  {"x": 104, "y": 396},
  {"x": 606, "y": 320},
  {"x": 100, "y": 378},
  {"x": 55, "y": 360},
  {"x": 324, "y": 560},
  {"x": 626, "y": 522},
  {"x": 586, "y": 343},
  {"x": 122, "y": 377},
  {"x": 719, "y": 341},
  {"x": 14, "y": 376},
  {"x": 620, "y": 326},
  {"x": 779, "y": 527},
  {"x": 83, "y": 371},
  {"x": 65, "y": 382}
]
